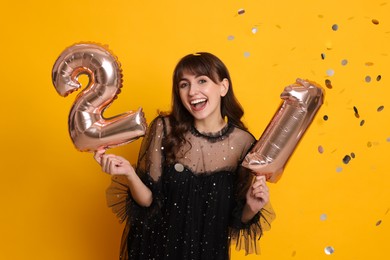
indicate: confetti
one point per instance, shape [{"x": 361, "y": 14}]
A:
[
  {"x": 230, "y": 38},
  {"x": 346, "y": 159},
  {"x": 323, "y": 217},
  {"x": 179, "y": 167},
  {"x": 378, "y": 222},
  {"x": 369, "y": 63},
  {"x": 330, "y": 72},
  {"x": 339, "y": 169},
  {"x": 323, "y": 56},
  {"x": 325, "y": 117},
  {"x": 353, "y": 155},
  {"x": 379, "y": 109},
  {"x": 329, "y": 250},
  {"x": 320, "y": 149},
  {"x": 356, "y": 112},
  {"x": 344, "y": 62},
  {"x": 335, "y": 27},
  {"x": 246, "y": 54},
  {"x": 378, "y": 78},
  {"x": 388, "y": 139},
  {"x": 241, "y": 11},
  {"x": 328, "y": 84},
  {"x": 375, "y": 21},
  {"x": 369, "y": 144},
  {"x": 367, "y": 79},
  {"x": 362, "y": 122},
  {"x": 254, "y": 30}
]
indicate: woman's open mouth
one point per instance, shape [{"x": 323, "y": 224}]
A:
[{"x": 198, "y": 104}]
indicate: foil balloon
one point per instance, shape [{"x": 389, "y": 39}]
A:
[
  {"x": 88, "y": 128},
  {"x": 271, "y": 152}
]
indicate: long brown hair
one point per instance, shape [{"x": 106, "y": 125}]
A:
[{"x": 181, "y": 121}]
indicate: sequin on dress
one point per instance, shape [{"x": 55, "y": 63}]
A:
[{"x": 197, "y": 201}]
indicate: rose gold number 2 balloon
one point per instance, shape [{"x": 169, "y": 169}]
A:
[
  {"x": 88, "y": 129},
  {"x": 271, "y": 152}
]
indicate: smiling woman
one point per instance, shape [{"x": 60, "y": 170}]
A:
[{"x": 188, "y": 186}]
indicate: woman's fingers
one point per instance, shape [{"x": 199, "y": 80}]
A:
[{"x": 98, "y": 155}]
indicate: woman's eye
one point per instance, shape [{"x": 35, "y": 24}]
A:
[
  {"x": 201, "y": 81},
  {"x": 183, "y": 85}
]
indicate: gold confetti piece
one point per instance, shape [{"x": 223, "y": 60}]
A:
[
  {"x": 356, "y": 112},
  {"x": 328, "y": 84},
  {"x": 375, "y": 21}
]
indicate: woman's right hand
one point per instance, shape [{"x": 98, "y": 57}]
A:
[{"x": 113, "y": 164}]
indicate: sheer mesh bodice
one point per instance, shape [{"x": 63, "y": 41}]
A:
[{"x": 197, "y": 200}]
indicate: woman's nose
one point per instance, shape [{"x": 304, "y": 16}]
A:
[{"x": 193, "y": 90}]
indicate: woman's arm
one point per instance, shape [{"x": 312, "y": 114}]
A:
[
  {"x": 256, "y": 197},
  {"x": 117, "y": 165}
]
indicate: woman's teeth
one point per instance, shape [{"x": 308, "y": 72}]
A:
[{"x": 198, "y": 102}]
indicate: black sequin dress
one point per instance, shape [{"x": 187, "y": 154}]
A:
[{"x": 197, "y": 201}]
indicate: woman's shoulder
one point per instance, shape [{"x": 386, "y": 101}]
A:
[
  {"x": 243, "y": 133},
  {"x": 159, "y": 123}
]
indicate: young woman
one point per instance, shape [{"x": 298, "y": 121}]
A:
[{"x": 188, "y": 196}]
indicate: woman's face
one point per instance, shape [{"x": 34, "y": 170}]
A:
[{"x": 202, "y": 97}]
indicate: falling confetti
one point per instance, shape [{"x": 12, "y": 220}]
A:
[
  {"x": 323, "y": 56},
  {"x": 353, "y": 155},
  {"x": 241, "y": 11},
  {"x": 356, "y": 112},
  {"x": 246, "y": 54},
  {"x": 323, "y": 217},
  {"x": 362, "y": 122},
  {"x": 346, "y": 159},
  {"x": 378, "y": 222},
  {"x": 326, "y": 117},
  {"x": 328, "y": 84},
  {"x": 330, "y": 72},
  {"x": 329, "y": 250},
  {"x": 379, "y": 109},
  {"x": 375, "y": 21},
  {"x": 254, "y": 30},
  {"x": 339, "y": 169},
  {"x": 320, "y": 149},
  {"x": 335, "y": 27},
  {"x": 378, "y": 78},
  {"x": 369, "y": 63},
  {"x": 230, "y": 38},
  {"x": 344, "y": 62},
  {"x": 388, "y": 139},
  {"x": 367, "y": 79}
]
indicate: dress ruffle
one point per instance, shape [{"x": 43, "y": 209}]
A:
[{"x": 246, "y": 236}]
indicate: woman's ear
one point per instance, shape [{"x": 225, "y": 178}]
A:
[{"x": 224, "y": 86}]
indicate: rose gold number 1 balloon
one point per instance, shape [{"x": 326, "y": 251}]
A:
[
  {"x": 271, "y": 152},
  {"x": 88, "y": 129}
]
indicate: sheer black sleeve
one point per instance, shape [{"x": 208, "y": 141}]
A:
[
  {"x": 149, "y": 169},
  {"x": 246, "y": 236}
]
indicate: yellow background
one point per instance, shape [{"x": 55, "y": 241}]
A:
[{"x": 53, "y": 197}]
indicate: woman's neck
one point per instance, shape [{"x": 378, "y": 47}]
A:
[{"x": 209, "y": 126}]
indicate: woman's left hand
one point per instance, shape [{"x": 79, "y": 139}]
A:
[{"x": 258, "y": 194}]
